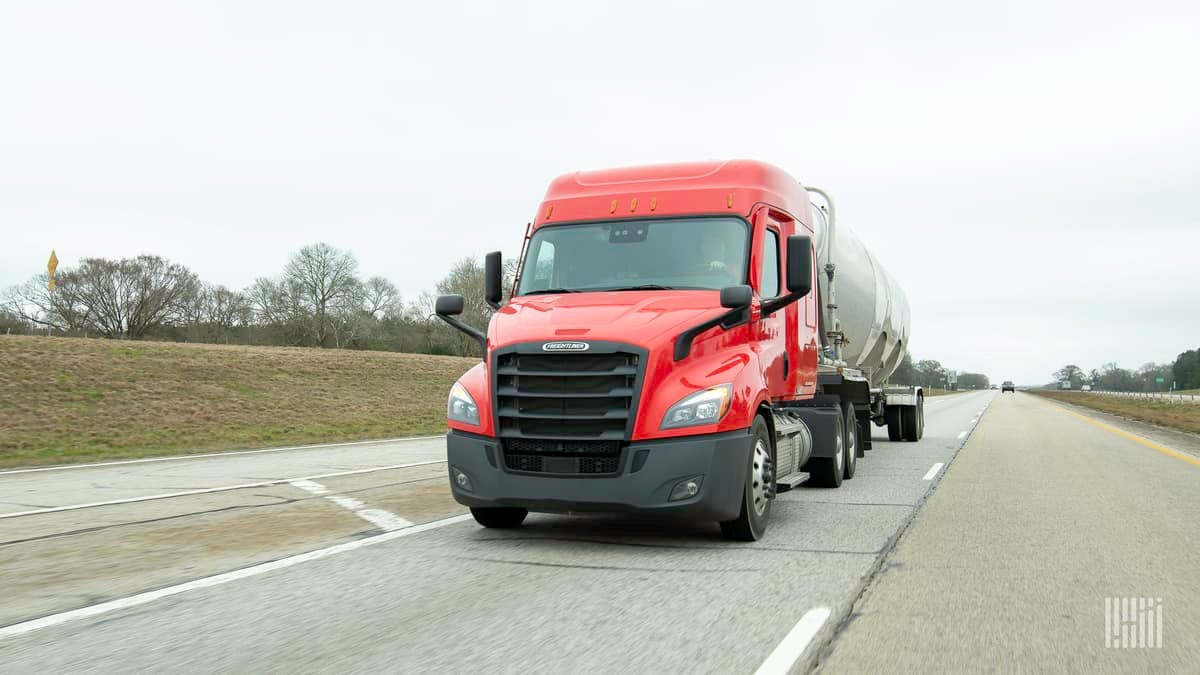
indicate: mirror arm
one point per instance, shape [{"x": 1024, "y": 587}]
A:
[
  {"x": 769, "y": 307},
  {"x": 727, "y": 320},
  {"x": 471, "y": 331}
]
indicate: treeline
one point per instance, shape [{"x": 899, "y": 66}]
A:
[
  {"x": 319, "y": 299},
  {"x": 930, "y": 374},
  {"x": 1183, "y": 373}
]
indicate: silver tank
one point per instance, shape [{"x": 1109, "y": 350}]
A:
[{"x": 871, "y": 308}]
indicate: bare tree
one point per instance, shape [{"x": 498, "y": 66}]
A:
[
  {"x": 61, "y": 310},
  {"x": 327, "y": 280},
  {"x": 380, "y": 297}
]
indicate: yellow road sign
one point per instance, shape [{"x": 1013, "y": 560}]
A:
[{"x": 50, "y": 267}]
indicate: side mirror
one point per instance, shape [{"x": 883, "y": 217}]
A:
[
  {"x": 799, "y": 265},
  {"x": 449, "y": 305},
  {"x": 493, "y": 279},
  {"x": 736, "y": 297}
]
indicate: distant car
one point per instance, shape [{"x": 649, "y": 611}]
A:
[
  {"x": 1086, "y": 387},
  {"x": 995, "y": 386},
  {"x": 1007, "y": 386}
]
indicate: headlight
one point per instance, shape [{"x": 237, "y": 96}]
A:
[
  {"x": 703, "y": 407},
  {"x": 461, "y": 407}
]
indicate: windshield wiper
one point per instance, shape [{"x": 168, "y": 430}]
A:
[
  {"x": 543, "y": 291},
  {"x": 643, "y": 287}
]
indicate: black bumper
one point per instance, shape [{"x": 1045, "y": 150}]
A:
[{"x": 721, "y": 460}]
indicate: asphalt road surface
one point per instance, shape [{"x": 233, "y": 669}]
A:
[{"x": 354, "y": 558}]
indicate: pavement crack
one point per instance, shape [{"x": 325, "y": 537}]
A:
[
  {"x": 677, "y": 547},
  {"x": 616, "y": 568},
  {"x": 280, "y": 501}
]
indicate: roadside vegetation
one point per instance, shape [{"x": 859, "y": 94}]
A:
[
  {"x": 1182, "y": 416},
  {"x": 78, "y": 400}
]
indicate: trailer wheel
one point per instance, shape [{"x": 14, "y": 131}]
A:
[
  {"x": 895, "y": 423},
  {"x": 499, "y": 516},
  {"x": 759, "y": 489},
  {"x": 914, "y": 420},
  {"x": 853, "y": 440},
  {"x": 828, "y": 471}
]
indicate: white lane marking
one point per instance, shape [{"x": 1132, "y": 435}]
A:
[
  {"x": 203, "y": 491},
  {"x": 207, "y": 582},
  {"x": 385, "y": 520},
  {"x": 310, "y": 486},
  {"x": 176, "y": 458},
  {"x": 933, "y": 471},
  {"x": 962, "y": 435},
  {"x": 794, "y": 643},
  {"x": 974, "y": 420}
]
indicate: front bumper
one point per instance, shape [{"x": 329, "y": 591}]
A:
[{"x": 722, "y": 460}]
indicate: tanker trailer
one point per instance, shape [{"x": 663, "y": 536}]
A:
[{"x": 865, "y": 321}]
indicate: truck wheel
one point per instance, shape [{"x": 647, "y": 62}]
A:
[
  {"x": 853, "y": 444},
  {"x": 499, "y": 516},
  {"x": 914, "y": 420},
  {"x": 828, "y": 471},
  {"x": 759, "y": 489},
  {"x": 895, "y": 423}
]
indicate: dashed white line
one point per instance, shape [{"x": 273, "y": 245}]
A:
[
  {"x": 231, "y": 453},
  {"x": 962, "y": 435},
  {"x": 208, "y": 582},
  {"x": 933, "y": 471},
  {"x": 203, "y": 491},
  {"x": 794, "y": 643},
  {"x": 974, "y": 420},
  {"x": 385, "y": 520}
]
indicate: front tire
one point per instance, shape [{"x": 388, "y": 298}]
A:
[
  {"x": 502, "y": 517},
  {"x": 759, "y": 489}
]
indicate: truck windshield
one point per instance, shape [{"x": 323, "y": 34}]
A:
[{"x": 683, "y": 253}]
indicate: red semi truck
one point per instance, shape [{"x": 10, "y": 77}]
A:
[{"x": 673, "y": 346}]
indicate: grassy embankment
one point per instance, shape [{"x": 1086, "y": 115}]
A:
[
  {"x": 1182, "y": 416},
  {"x": 78, "y": 400},
  {"x": 943, "y": 392}
]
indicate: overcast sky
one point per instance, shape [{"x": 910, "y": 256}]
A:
[{"x": 1028, "y": 171}]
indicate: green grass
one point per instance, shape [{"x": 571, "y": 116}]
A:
[
  {"x": 1182, "y": 416},
  {"x": 76, "y": 400}
]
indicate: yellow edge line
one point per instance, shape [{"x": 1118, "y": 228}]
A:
[{"x": 1136, "y": 439}]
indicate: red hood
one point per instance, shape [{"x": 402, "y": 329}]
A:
[{"x": 642, "y": 318}]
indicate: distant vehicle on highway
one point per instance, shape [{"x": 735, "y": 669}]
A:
[
  {"x": 995, "y": 386},
  {"x": 663, "y": 351},
  {"x": 1086, "y": 387},
  {"x": 1008, "y": 386}
]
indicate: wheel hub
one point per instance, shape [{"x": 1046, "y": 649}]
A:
[{"x": 760, "y": 476}]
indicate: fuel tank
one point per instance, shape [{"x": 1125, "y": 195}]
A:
[{"x": 872, "y": 309}]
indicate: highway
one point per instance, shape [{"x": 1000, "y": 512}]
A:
[{"x": 992, "y": 541}]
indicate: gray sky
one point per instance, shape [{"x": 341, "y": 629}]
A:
[{"x": 1029, "y": 171}]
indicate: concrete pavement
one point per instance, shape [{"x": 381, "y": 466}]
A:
[
  {"x": 1041, "y": 517},
  {"x": 589, "y": 594}
]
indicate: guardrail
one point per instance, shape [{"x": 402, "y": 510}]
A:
[{"x": 1156, "y": 396}]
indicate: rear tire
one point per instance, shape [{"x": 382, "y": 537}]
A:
[
  {"x": 853, "y": 440},
  {"x": 895, "y": 424},
  {"x": 759, "y": 489},
  {"x": 913, "y": 418},
  {"x": 502, "y": 517},
  {"x": 828, "y": 471}
]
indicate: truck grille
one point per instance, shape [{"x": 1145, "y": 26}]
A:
[
  {"x": 565, "y": 395},
  {"x": 566, "y": 413},
  {"x": 564, "y": 457}
]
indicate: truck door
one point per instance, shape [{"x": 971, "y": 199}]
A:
[{"x": 779, "y": 366}]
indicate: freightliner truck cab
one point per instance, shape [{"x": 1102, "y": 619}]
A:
[{"x": 662, "y": 353}]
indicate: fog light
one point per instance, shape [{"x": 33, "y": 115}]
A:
[
  {"x": 461, "y": 479},
  {"x": 686, "y": 488}
]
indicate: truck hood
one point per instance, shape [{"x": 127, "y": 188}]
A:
[{"x": 643, "y": 318}]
